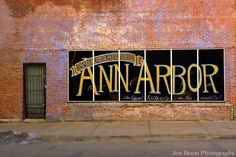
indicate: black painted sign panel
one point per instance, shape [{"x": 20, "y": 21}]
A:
[{"x": 147, "y": 75}]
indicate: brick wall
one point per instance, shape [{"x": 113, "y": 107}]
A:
[{"x": 43, "y": 31}]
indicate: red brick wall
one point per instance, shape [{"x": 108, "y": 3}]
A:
[
  {"x": 42, "y": 31},
  {"x": 136, "y": 111}
]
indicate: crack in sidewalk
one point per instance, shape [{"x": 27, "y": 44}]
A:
[{"x": 95, "y": 128}]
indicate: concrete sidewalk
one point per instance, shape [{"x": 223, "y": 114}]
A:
[{"x": 126, "y": 130}]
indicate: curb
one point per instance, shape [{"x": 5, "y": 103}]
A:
[{"x": 142, "y": 138}]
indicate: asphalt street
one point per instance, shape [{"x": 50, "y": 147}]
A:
[{"x": 207, "y": 148}]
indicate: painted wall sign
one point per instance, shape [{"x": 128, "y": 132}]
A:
[{"x": 150, "y": 75}]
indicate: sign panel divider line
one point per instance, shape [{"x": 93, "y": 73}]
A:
[
  {"x": 224, "y": 75},
  {"x": 171, "y": 84},
  {"x": 198, "y": 81},
  {"x": 93, "y": 78},
  {"x": 119, "y": 71},
  {"x": 145, "y": 77}
]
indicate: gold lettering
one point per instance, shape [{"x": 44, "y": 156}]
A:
[
  {"x": 140, "y": 78},
  {"x": 179, "y": 76},
  {"x": 126, "y": 80},
  {"x": 73, "y": 72},
  {"x": 199, "y": 82},
  {"x": 116, "y": 78},
  {"x": 148, "y": 78},
  {"x": 205, "y": 75},
  {"x": 89, "y": 77},
  {"x": 164, "y": 76},
  {"x": 108, "y": 81}
]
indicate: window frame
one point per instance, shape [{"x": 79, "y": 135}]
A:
[{"x": 145, "y": 94}]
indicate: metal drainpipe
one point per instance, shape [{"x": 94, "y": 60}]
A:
[{"x": 232, "y": 114}]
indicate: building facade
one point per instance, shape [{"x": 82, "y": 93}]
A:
[{"x": 117, "y": 59}]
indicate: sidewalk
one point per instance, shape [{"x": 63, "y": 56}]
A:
[{"x": 151, "y": 131}]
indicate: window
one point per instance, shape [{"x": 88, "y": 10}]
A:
[
  {"x": 106, "y": 75},
  {"x": 147, "y": 75},
  {"x": 81, "y": 88},
  {"x": 132, "y": 75},
  {"x": 184, "y": 75},
  {"x": 158, "y": 74},
  {"x": 212, "y": 66}
]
